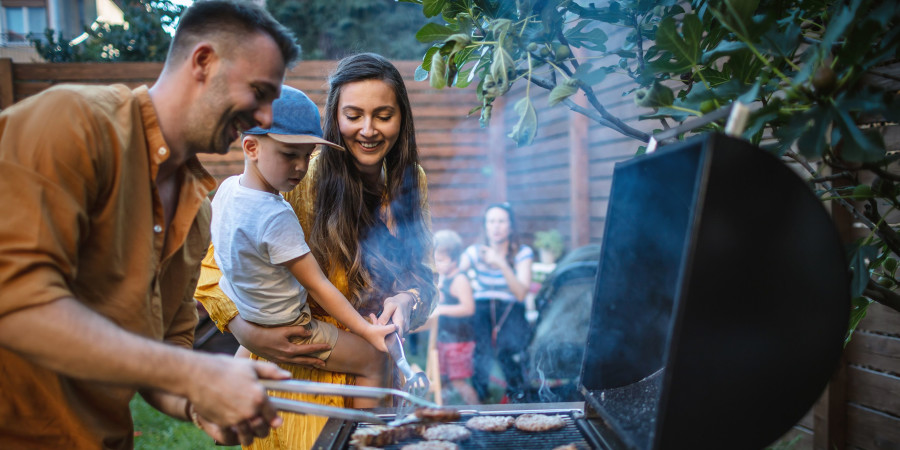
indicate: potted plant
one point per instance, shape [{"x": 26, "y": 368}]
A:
[{"x": 549, "y": 244}]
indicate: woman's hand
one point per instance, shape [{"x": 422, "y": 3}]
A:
[
  {"x": 274, "y": 344},
  {"x": 492, "y": 258},
  {"x": 397, "y": 309}
]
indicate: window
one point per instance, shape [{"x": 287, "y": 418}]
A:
[{"x": 19, "y": 21}]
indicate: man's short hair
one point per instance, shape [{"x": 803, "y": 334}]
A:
[{"x": 209, "y": 19}]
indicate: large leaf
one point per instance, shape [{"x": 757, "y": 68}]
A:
[
  {"x": 525, "y": 129},
  {"x": 811, "y": 143},
  {"x": 725, "y": 48},
  {"x": 858, "y": 309},
  {"x": 431, "y": 32},
  {"x": 744, "y": 66},
  {"x": 563, "y": 91},
  {"x": 591, "y": 40},
  {"x": 839, "y": 23},
  {"x": 685, "y": 47},
  {"x": 453, "y": 9},
  {"x": 858, "y": 146},
  {"x": 589, "y": 77},
  {"x": 432, "y": 8},
  {"x": 859, "y": 265}
]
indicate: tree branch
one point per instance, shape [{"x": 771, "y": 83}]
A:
[{"x": 882, "y": 295}]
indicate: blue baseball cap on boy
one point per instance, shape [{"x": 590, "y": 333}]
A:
[{"x": 295, "y": 120}]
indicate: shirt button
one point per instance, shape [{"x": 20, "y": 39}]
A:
[
  {"x": 157, "y": 228},
  {"x": 162, "y": 151}
]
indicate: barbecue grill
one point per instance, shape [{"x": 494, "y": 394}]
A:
[{"x": 718, "y": 313}]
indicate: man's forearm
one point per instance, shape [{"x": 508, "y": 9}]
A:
[
  {"x": 67, "y": 337},
  {"x": 169, "y": 404}
]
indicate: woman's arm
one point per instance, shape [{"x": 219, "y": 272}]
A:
[{"x": 518, "y": 279}]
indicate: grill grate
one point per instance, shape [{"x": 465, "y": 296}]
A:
[{"x": 511, "y": 438}]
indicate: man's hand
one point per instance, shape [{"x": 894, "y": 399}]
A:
[
  {"x": 226, "y": 392},
  {"x": 274, "y": 344}
]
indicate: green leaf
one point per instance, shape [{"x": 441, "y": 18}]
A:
[
  {"x": 563, "y": 91},
  {"x": 744, "y": 66},
  {"x": 438, "y": 73},
  {"x": 432, "y": 8},
  {"x": 750, "y": 96},
  {"x": 426, "y": 60},
  {"x": 431, "y": 32},
  {"x": 664, "y": 112},
  {"x": 890, "y": 265},
  {"x": 858, "y": 146},
  {"x": 420, "y": 74},
  {"x": 838, "y": 24},
  {"x": 485, "y": 117},
  {"x": 591, "y": 40},
  {"x": 725, "y": 48},
  {"x": 452, "y": 11},
  {"x": 685, "y": 47},
  {"x": 859, "y": 306},
  {"x": 812, "y": 142},
  {"x": 500, "y": 68},
  {"x": 656, "y": 96},
  {"x": 859, "y": 265},
  {"x": 588, "y": 77},
  {"x": 525, "y": 129}
]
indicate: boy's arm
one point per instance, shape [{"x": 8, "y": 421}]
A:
[
  {"x": 462, "y": 290},
  {"x": 307, "y": 271}
]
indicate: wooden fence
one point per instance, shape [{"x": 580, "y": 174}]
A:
[{"x": 562, "y": 181}]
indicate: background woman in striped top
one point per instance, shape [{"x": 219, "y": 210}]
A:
[{"x": 501, "y": 275}]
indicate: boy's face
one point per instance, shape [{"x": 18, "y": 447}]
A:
[
  {"x": 281, "y": 165},
  {"x": 443, "y": 263}
]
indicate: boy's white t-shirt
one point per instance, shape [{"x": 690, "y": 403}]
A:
[{"x": 253, "y": 232}]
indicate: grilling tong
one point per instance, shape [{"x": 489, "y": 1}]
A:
[{"x": 310, "y": 387}]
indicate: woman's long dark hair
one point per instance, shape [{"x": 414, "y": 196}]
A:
[{"x": 347, "y": 227}]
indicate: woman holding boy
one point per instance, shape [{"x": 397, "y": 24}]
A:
[{"x": 365, "y": 215}]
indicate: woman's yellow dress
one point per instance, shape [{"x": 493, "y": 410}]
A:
[{"x": 301, "y": 431}]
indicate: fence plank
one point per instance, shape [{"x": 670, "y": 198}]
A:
[
  {"x": 881, "y": 319},
  {"x": 876, "y": 390},
  {"x": 875, "y": 351},
  {"x": 872, "y": 430},
  {"x": 7, "y": 87},
  {"x": 88, "y": 72}
]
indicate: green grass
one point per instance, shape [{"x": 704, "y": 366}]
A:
[{"x": 157, "y": 431}]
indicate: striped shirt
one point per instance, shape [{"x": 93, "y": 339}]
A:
[{"x": 488, "y": 282}]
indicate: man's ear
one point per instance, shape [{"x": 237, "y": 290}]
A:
[
  {"x": 250, "y": 144},
  {"x": 203, "y": 58}
]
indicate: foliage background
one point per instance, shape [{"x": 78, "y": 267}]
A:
[
  {"x": 325, "y": 29},
  {"x": 809, "y": 68}
]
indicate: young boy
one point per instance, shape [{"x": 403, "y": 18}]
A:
[
  {"x": 266, "y": 264},
  {"x": 455, "y": 341}
]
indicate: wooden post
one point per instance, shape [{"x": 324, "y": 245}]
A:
[
  {"x": 830, "y": 412},
  {"x": 496, "y": 151},
  {"x": 7, "y": 88},
  {"x": 579, "y": 173}
]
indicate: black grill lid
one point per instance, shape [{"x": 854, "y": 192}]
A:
[{"x": 723, "y": 282}]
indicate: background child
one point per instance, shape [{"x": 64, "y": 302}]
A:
[
  {"x": 455, "y": 341},
  {"x": 267, "y": 267}
]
